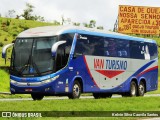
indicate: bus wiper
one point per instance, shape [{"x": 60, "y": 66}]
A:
[
  {"x": 36, "y": 68},
  {"x": 25, "y": 65}
]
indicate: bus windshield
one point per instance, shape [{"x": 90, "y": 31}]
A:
[{"x": 32, "y": 56}]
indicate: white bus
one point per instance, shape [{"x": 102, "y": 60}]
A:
[{"x": 69, "y": 60}]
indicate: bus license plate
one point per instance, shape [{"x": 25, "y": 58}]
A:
[{"x": 28, "y": 90}]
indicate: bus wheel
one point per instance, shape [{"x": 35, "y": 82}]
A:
[
  {"x": 141, "y": 89},
  {"x": 133, "y": 89},
  {"x": 37, "y": 96},
  {"x": 76, "y": 91}
]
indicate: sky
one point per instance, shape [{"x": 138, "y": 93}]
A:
[{"x": 104, "y": 12}]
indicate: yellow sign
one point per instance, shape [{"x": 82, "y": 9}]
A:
[{"x": 139, "y": 20}]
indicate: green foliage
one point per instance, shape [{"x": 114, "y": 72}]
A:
[
  {"x": 100, "y": 27},
  {"x": 4, "y": 81},
  {"x": 8, "y": 22},
  {"x": 5, "y": 29},
  {"x": 86, "y": 25},
  {"x": 113, "y": 104},
  {"x": 27, "y": 14},
  {"x": 91, "y": 24},
  {"x": 14, "y": 34},
  {"x": 56, "y": 22},
  {"x": 5, "y": 39},
  {"x": 76, "y": 24},
  {"x": 1, "y": 44},
  {"x": 9, "y": 31}
]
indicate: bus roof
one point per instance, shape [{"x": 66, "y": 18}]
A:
[{"x": 47, "y": 31}]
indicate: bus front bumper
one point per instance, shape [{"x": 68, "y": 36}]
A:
[{"x": 32, "y": 87}]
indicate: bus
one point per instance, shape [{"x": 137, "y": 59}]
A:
[{"x": 70, "y": 60}]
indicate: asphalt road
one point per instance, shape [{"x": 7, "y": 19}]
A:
[{"x": 61, "y": 98}]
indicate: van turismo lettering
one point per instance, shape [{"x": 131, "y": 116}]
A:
[{"x": 116, "y": 65}]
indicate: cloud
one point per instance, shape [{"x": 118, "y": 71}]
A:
[{"x": 105, "y": 12}]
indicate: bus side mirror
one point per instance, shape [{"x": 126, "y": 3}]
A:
[
  {"x": 4, "y": 50},
  {"x": 55, "y": 46}
]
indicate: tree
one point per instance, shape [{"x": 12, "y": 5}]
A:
[
  {"x": 76, "y": 24},
  {"x": 37, "y": 18},
  {"x": 27, "y": 12},
  {"x": 100, "y": 27},
  {"x": 56, "y": 22},
  {"x": 92, "y": 23},
  {"x": 86, "y": 25},
  {"x": 40, "y": 18},
  {"x": 11, "y": 13},
  {"x": 18, "y": 16},
  {"x": 65, "y": 21}
]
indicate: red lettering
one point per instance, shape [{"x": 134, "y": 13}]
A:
[{"x": 98, "y": 63}]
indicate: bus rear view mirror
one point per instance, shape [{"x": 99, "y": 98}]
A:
[
  {"x": 4, "y": 50},
  {"x": 55, "y": 46}
]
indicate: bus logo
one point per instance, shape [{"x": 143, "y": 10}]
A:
[{"x": 110, "y": 68}]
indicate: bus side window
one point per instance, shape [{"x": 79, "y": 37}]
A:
[
  {"x": 123, "y": 48},
  {"x": 146, "y": 52},
  {"x": 89, "y": 45},
  {"x": 60, "y": 61},
  {"x": 153, "y": 50},
  {"x": 136, "y": 50},
  {"x": 97, "y": 46},
  {"x": 80, "y": 47},
  {"x": 110, "y": 47},
  {"x": 63, "y": 51},
  {"x": 68, "y": 38}
]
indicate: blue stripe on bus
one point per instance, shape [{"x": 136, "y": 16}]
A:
[
  {"x": 112, "y": 35},
  {"x": 143, "y": 68}
]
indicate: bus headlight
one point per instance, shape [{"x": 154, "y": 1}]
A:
[
  {"x": 54, "y": 78},
  {"x": 50, "y": 79},
  {"x": 34, "y": 83},
  {"x": 13, "y": 82}
]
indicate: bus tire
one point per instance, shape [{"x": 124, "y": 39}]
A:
[
  {"x": 37, "y": 96},
  {"x": 133, "y": 89},
  {"x": 76, "y": 90},
  {"x": 141, "y": 89}
]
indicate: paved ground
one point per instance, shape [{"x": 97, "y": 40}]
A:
[
  {"x": 151, "y": 119},
  {"x": 59, "y": 98}
]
